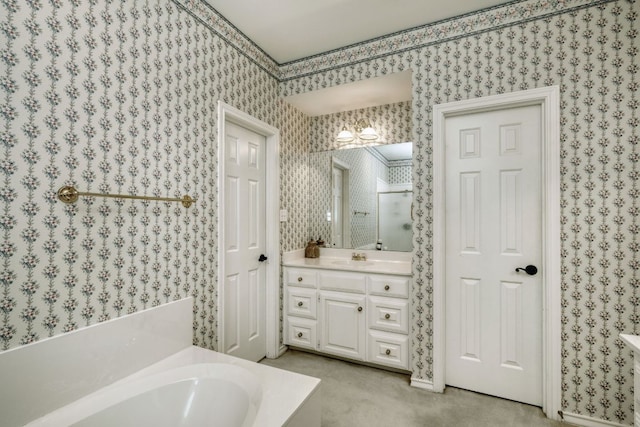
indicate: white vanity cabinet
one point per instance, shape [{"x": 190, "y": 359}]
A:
[{"x": 357, "y": 315}]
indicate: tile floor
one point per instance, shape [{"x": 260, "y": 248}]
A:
[{"x": 354, "y": 395}]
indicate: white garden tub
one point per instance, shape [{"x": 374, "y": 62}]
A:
[
  {"x": 141, "y": 370},
  {"x": 193, "y": 395}
]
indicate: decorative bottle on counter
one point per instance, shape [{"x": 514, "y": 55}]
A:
[
  {"x": 310, "y": 250},
  {"x": 319, "y": 244}
]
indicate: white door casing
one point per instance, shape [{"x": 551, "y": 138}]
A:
[
  {"x": 340, "y": 228},
  {"x": 337, "y": 220},
  {"x": 269, "y": 303},
  {"x": 493, "y": 225},
  {"x": 548, "y": 100}
]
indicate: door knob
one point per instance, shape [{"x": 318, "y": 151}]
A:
[
  {"x": 531, "y": 270},
  {"x": 262, "y": 258}
]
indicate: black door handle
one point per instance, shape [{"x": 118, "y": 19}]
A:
[
  {"x": 531, "y": 270},
  {"x": 262, "y": 258}
]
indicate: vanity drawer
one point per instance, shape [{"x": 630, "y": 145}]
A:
[
  {"x": 301, "y": 277},
  {"x": 389, "y": 314},
  {"x": 388, "y": 349},
  {"x": 301, "y": 333},
  {"x": 343, "y": 281},
  {"x": 390, "y": 286},
  {"x": 302, "y": 302}
]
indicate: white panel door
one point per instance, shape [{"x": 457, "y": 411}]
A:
[
  {"x": 493, "y": 226},
  {"x": 244, "y": 242}
]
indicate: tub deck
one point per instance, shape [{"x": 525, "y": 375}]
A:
[{"x": 287, "y": 398}]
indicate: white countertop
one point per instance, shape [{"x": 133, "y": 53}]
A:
[
  {"x": 345, "y": 264},
  {"x": 632, "y": 341}
]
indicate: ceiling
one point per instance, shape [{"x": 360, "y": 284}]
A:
[
  {"x": 288, "y": 30},
  {"x": 393, "y": 152},
  {"x": 293, "y": 29}
]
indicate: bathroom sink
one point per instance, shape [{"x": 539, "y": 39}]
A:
[{"x": 352, "y": 263}]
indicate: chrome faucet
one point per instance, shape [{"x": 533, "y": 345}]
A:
[{"x": 358, "y": 257}]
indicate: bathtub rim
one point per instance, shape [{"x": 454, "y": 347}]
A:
[
  {"x": 128, "y": 388},
  {"x": 283, "y": 392}
]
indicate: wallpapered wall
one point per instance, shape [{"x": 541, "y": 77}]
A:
[
  {"x": 119, "y": 96},
  {"x": 392, "y": 121},
  {"x": 319, "y": 195},
  {"x": 294, "y": 178},
  {"x": 400, "y": 174},
  {"x": 592, "y": 54}
]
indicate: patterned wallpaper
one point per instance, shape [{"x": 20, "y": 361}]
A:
[
  {"x": 400, "y": 175},
  {"x": 320, "y": 202},
  {"x": 294, "y": 185},
  {"x": 294, "y": 177},
  {"x": 592, "y": 54},
  {"x": 392, "y": 121},
  {"x": 120, "y": 96}
]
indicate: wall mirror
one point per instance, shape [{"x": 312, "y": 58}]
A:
[{"x": 360, "y": 196}]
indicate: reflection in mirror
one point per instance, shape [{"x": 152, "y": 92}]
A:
[
  {"x": 362, "y": 195},
  {"x": 394, "y": 220}
]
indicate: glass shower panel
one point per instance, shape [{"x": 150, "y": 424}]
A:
[{"x": 394, "y": 220}]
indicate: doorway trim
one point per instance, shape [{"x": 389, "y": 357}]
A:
[
  {"x": 345, "y": 210},
  {"x": 548, "y": 98},
  {"x": 228, "y": 113}
]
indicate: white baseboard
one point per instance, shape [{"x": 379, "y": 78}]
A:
[
  {"x": 283, "y": 348},
  {"x": 423, "y": 384},
  {"x": 586, "y": 421}
]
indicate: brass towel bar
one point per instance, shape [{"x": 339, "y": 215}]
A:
[{"x": 69, "y": 194}]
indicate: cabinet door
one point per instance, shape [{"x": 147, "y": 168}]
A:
[{"x": 342, "y": 330}]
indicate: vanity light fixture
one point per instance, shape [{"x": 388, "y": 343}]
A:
[
  {"x": 345, "y": 135},
  {"x": 363, "y": 129}
]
